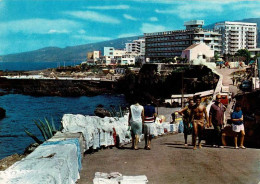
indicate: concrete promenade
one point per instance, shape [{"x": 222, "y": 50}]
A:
[{"x": 169, "y": 161}]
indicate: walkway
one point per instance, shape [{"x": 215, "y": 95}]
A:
[
  {"x": 170, "y": 162},
  {"x": 227, "y": 81}
]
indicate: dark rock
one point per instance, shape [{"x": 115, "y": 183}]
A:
[
  {"x": 30, "y": 148},
  {"x": 101, "y": 112},
  {"x": 2, "y": 113}
]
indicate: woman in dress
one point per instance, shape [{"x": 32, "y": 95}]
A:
[{"x": 136, "y": 120}]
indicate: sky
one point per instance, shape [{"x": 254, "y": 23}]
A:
[{"x": 27, "y": 25}]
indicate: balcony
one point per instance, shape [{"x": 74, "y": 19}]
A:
[
  {"x": 233, "y": 37},
  {"x": 234, "y": 41},
  {"x": 233, "y": 50},
  {"x": 250, "y": 34},
  {"x": 250, "y": 42},
  {"x": 251, "y": 31},
  {"x": 234, "y": 34},
  {"x": 250, "y": 39}
]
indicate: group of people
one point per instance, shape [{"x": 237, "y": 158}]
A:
[
  {"x": 194, "y": 116},
  {"x": 142, "y": 118}
]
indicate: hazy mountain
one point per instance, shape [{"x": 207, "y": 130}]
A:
[{"x": 72, "y": 53}]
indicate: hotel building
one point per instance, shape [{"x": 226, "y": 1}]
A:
[
  {"x": 237, "y": 35},
  {"x": 169, "y": 44}
]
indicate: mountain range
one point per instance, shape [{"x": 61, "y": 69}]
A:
[{"x": 79, "y": 52}]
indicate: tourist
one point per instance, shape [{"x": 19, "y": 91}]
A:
[
  {"x": 136, "y": 120},
  {"x": 238, "y": 125},
  {"x": 233, "y": 80},
  {"x": 198, "y": 121},
  {"x": 186, "y": 115},
  {"x": 216, "y": 117},
  {"x": 149, "y": 125}
]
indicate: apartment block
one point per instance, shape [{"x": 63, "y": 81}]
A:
[
  {"x": 137, "y": 47},
  {"x": 170, "y": 44},
  {"x": 116, "y": 56},
  {"x": 237, "y": 35},
  {"x": 95, "y": 55}
]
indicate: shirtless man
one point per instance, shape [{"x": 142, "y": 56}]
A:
[{"x": 198, "y": 121}]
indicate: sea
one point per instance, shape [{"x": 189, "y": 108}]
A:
[{"x": 23, "y": 110}]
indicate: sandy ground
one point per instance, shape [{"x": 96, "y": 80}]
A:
[{"x": 169, "y": 161}]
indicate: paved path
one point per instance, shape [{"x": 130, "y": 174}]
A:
[
  {"x": 170, "y": 162},
  {"x": 227, "y": 81}
]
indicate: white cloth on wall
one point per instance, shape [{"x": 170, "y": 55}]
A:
[
  {"x": 39, "y": 170},
  {"x": 68, "y": 152},
  {"x": 27, "y": 177}
]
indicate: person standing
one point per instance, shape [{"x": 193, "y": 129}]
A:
[
  {"x": 199, "y": 114},
  {"x": 238, "y": 125},
  {"x": 216, "y": 117},
  {"x": 136, "y": 120},
  {"x": 187, "y": 119},
  {"x": 149, "y": 125}
]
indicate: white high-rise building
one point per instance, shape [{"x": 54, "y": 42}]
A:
[
  {"x": 136, "y": 47},
  {"x": 237, "y": 35}
]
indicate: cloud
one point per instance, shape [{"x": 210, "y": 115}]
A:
[
  {"x": 82, "y": 31},
  {"x": 128, "y": 35},
  {"x": 150, "y": 28},
  {"x": 255, "y": 13},
  {"x": 129, "y": 17},
  {"x": 156, "y": 1},
  {"x": 188, "y": 1},
  {"x": 92, "y": 38},
  {"x": 39, "y": 26},
  {"x": 244, "y": 6},
  {"x": 53, "y": 31},
  {"x": 153, "y": 19},
  {"x": 192, "y": 10},
  {"x": 116, "y": 7},
  {"x": 93, "y": 16}
]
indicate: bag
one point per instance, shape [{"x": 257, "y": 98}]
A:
[
  {"x": 128, "y": 133},
  {"x": 181, "y": 127}
]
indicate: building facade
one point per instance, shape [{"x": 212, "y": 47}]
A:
[
  {"x": 170, "y": 44},
  {"x": 137, "y": 47},
  {"x": 199, "y": 51},
  {"x": 237, "y": 35}
]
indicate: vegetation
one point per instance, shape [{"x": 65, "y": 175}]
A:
[
  {"x": 46, "y": 128},
  {"x": 149, "y": 82},
  {"x": 120, "y": 112},
  {"x": 244, "y": 53},
  {"x": 216, "y": 56}
]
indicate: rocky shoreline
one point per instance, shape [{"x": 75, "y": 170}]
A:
[{"x": 54, "y": 87}]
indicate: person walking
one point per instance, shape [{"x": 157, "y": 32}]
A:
[
  {"x": 199, "y": 114},
  {"x": 216, "y": 117},
  {"x": 187, "y": 120},
  {"x": 136, "y": 120},
  {"x": 238, "y": 126},
  {"x": 149, "y": 125}
]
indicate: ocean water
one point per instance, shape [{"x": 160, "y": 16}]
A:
[
  {"x": 24, "y": 66},
  {"x": 21, "y": 110}
]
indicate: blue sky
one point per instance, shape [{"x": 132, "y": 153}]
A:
[{"x": 27, "y": 25}]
